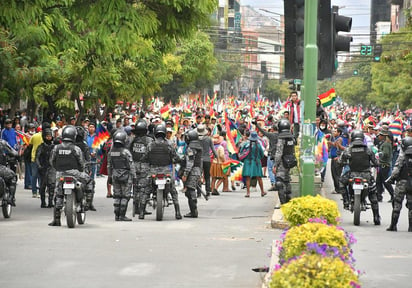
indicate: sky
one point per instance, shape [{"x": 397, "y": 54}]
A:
[{"x": 359, "y": 10}]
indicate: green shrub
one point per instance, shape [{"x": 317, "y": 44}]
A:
[
  {"x": 315, "y": 271},
  {"x": 299, "y": 210},
  {"x": 296, "y": 240}
]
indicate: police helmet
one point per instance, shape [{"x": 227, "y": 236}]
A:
[
  {"x": 81, "y": 133},
  {"x": 191, "y": 135},
  {"x": 69, "y": 133},
  {"x": 357, "y": 135},
  {"x": 284, "y": 125},
  {"x": 406, "y": 142},
  {"x": 46, "y": 132},
  {"x": 160, "y": 131},
  {"x": 141, "y": 127},
  {"x": 120, "y": 137}
]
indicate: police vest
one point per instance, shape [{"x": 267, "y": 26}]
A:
[
  {"x": 66, "y": 159},
  {"x": 119, "y": 159},
  {"x": 138, "y": 148},
  {"x": 197, "y": 151},
  {"x": 406, "y": 169},
  {"x": 359, "y": 161},
  {"x": 289, "y": 146},
  {"x": 159, "y": 154}
]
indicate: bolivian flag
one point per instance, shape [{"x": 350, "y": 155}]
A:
[
  {"x": 327, "y": 98},
  {"x": 165, "y": 112}
]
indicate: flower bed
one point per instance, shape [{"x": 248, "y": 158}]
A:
[{"x": 314, "y": 251}]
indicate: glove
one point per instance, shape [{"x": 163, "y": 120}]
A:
[{"x": 110, "y": 180}]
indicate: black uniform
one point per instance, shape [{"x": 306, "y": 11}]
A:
[
  {"x": 402, "y": 173},
  {"x": 285, "y": 149},
  {"x": 360, "y": 157},
  {"x": 192, "y": 171},
  {"x": 121, "y": 170},
  {"x": 46, "y": 172},
  {"x": 67, "y": 159},
  {"x": 8, "y": 175},
  {"x": 142, "y": 186},
  {"x": 161, "y": 156}
]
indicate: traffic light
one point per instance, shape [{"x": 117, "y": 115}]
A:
[
  {"x": 340, "y": 42},
  {"x": 294, "y": 38},
  {"x": 355, "y": 72},
  {"x": 326, "y": 59},
  {"x": 263, "y": 68},
  {"x": 377, "y": 52},
  {"x": 294, "y": 11}
]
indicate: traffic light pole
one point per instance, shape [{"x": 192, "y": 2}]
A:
[{"x": 310, "y": 75}]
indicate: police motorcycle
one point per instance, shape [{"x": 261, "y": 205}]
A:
[
  {"x": 162, "y": 185},
  {"x": 358, "y": 190},
  {"x": 74, "y": 201},
  {"x": 6, "y": 206},
  {"x": 5, "y": 194}
]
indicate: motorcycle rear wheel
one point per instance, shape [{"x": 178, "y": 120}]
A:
[
  {"x": 70, "y": 210},
  {"x": 356, "y": 209},
  {"x": 159, "y": 207},
  {"x": 6, "y": 206}
]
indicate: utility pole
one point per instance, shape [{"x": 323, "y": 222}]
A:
[{"x": 310, "y": 75}]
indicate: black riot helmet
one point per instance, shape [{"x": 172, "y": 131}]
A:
[
  {"x": 406, "y": 143},
  {"x": 69, "y": 133},
  {"x": 120, "y": 137},
  {"x": 191, "y": 135},
  {"x": 47, "y": 132},
  {"x": 284, "y": 126},
  {"x": 160, "y": 131},
  {"x": 81, "y": 134},
  {"x": 357, "y": 135},
  {"x": 141, "y": 127}
]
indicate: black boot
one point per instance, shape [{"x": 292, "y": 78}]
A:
[
  {"x": 89, "y": 199},
  {"x": 50, "y": 202},
  {"x": 116, "y": 213},
  {"x": 56, "y": 218},
  {"x": 193, "y": 209},
  {"x": 394, "y": 221},
  {"x": 376, "y": 217},
  {"x": 12, "y": 198},
  {"x": 123, "y": 216},
  {"x": 410, "y": 224},
  {"x": 43, "y": 200},
  {"x": 177, "y": 212}
]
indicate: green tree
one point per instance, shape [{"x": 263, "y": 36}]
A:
[
  {"x": 392, "y": 77},
  {"x": 104, "y": 50}
]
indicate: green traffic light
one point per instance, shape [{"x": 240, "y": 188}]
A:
[
  {"x": 355, "y": 72},
  {"x": 377, "y": 59}
]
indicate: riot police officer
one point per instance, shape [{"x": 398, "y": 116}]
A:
[
  {"x": 138, "y": 148},
  {"x": 121, "y": 172},
  {"x": 402, "y": 173},
  {"x": 360, "y": 157},
  {"x": 6, "y": 173},
  {"x": 284, "y": 160},
  {"x": 67, "y": 159},
  {"x": 46, "y": 172},
  {"x": 161, "y": 156},
  {"x": 82, "y": 144},
  {"x": 192, "y": 170}
]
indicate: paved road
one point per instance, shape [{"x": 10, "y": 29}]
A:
[
  {"x": 384, "y": 257},
  {"x": 231, "y": 236}
]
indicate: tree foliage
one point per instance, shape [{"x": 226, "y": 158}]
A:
[{"x": 61, "y": 51}]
